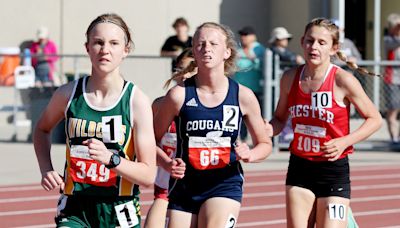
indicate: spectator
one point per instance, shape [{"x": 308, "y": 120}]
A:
[
  {"x": 44, "y": 51},
  {"x": 279, "y": 42},
  {"x": 250, "y": 66},
  {"x": 347, "y": 47},
  {"x": 174, "y": 45},
  {"x": 392, "y": 75}
]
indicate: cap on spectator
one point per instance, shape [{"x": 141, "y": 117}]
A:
[
  {"x": 393, "y": 20},
  {"x": 42, "y": 33},
  {"x": 279, "y": 33},
  {"x": 247, "y": 30}
]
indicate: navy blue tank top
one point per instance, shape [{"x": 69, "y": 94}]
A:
[{"x": 206, "y": 136}]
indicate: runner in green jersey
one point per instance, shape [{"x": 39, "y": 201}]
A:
[{"x": 110, "y": 145}]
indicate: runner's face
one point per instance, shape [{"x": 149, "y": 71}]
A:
[
  {"x": 210, "y": 48},
  {"x": 106, "y": 47},
  {"x": 318, "y": 45}
]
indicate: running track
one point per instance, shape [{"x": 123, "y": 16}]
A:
[{"x": 375, "y": 200}]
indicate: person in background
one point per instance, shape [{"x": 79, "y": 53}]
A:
[
  {"x": 279, "y": 42},
  {"x": 43, "y": 53},
  {"x": 208, "y": 109},
  {"x": 317, "y": 96},
  {"x": 250, "y": 62},
  {"x": 174, "y": 45},
  {"x": 110, "y": 141},
  {"x": 347, "y": 47},
  {"x": 168, "y": 165},
  {"x": 391, "y": 43}
]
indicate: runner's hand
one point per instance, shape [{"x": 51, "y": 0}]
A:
[
  {"x": 177, "y": 168},
  {"x": 333, "y": 148},
  {"x": 242, "y": 151},
  {"x": 52, "y": 180},
  {"x": 98, "y": 151}
]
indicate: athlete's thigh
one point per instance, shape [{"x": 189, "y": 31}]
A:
[
  {"x": 218, "y": 212},
  {"x": 156, "y": 216},
  {"x": 181, "y": 219},
  {"x": 332, "y": 212},
  {"x": 300, "y": 207}
]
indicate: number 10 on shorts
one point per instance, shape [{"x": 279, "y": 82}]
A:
[{"x": 337, "y": 211}]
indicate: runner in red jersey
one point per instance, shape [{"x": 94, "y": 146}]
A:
[
  {"x": 317, "y": 117},
  {"x": 317, "y": 96}
]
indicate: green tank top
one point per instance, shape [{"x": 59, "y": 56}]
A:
[{"x": 112, "y": 125}]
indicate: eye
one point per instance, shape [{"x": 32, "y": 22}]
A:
[{"x": 99, "y": 42}]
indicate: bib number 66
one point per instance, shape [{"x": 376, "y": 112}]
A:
[{"x": 209, "y": 157}]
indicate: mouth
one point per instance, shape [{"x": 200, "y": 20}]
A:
[
  {"x": 103, "y": 60},
  {"x": 206, "y": 58},
  {"x": 313, "y": 55}
]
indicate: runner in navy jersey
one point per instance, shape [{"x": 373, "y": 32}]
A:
[{"x": 208, "y": 109}]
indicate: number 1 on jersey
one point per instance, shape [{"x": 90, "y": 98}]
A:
[{"x": 111, "y": 128}]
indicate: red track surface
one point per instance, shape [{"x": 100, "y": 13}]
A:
[{"x": 375, "y": 200}]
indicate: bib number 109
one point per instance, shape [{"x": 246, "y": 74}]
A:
[{"x": 308, "y": 144}]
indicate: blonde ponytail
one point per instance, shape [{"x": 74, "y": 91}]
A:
[
  {"x": 182, "y": 75},
  {"x": 354, "y": 66}
]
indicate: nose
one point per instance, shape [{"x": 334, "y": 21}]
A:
[
  {"x": 207, "y": 46},
  {"x": 105, "y": 48},
  {"x": 314, "y": 44}
]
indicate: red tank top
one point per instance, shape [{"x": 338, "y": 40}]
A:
[{"x": 316, "y": 117}]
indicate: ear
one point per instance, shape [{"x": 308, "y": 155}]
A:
[
  {"x": 302, "y": 41},
  {"x": 86, "y": 47},
  {"x": 334, "y": 49},
  {"x": 227, "y": 54},
  {"x": 126, "y": 51}
]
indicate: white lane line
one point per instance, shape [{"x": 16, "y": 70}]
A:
[
  {"x": 263, "y": 194},
  {"x": 396, "y": 226},
  {"x": 20, "y": 188},
  {"x": 264, "y": 183},
  {"x": 29, "y": 199},
  {"x": 264, "y": 173},
  {"x": 27, "y": 212},
  {"x": 246, "y": 208},
  {"x": 375, "y": 177},
  {"x": 375, "y": 186},
  {"x": 375, "y": 198},
  {"x": 356, "y": 214},
  {"x": 245, "y": 195},
  {"x": 376, "y": 212},
  {"x": 37, "y": 226},
  {"x": 263, "y": 207},
  {"x": 373, "y": 168},
  {"x": 261, "y": 223}
]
